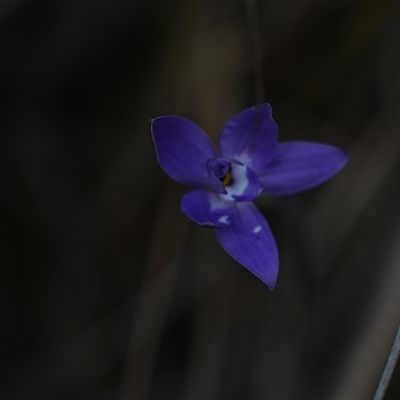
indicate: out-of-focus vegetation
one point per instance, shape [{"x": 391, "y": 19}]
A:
[{"x": 107, "y": 290}]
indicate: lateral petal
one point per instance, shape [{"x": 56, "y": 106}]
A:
[
  {"x": 297, "y": 166},
  {"x": 182, "y": 149},
  {"x": 249, "y": 240},
  {"x": 206, "y": 208},
  {"x": 250, "y": 137}
]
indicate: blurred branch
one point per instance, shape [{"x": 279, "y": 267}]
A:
[{"x": 389, "y": 368}]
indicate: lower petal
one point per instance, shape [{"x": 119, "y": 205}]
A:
[
  {"x": 249, "y": 240},
  {"x": 207, "y": 208},
  {"x": 297, "y": 166}
]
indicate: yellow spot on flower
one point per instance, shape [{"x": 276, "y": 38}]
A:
[{"x": 227, "y": 179}]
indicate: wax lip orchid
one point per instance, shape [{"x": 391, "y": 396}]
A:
[{"x": 250, "y": 162}]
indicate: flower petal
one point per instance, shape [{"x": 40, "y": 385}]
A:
[
  {"x": 297, "y": 166},
  {"x": 207, "y": 208},
  {"x": 250, "y": 137},
  {"x": 182, "y": 149},
  {"x": 245, "y": 184},
  {"x": 248, "y": 239}
]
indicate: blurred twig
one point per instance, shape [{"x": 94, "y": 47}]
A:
[
  {"x": 152, "y": 305},
  {"x": 389, "y": 368},
  {"x": 254, "y": 30}
]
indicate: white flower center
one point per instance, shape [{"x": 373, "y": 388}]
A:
[{"x": 239, "y": 182}]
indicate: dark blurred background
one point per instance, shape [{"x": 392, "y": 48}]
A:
[{"x": 107, "y": 290}]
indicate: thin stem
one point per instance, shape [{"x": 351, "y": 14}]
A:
[
  {"x": 389, "y": 368},
  {"x": 252, "y": 21}
]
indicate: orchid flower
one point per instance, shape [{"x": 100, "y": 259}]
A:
[{"x": 250, "y": 163}]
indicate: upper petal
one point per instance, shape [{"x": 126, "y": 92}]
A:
[
  {"x": 249, "y": 240},
  {"x": 250, "y": 137},
  {"x": 207, "y": 208},
  {"x": 182, "y": 149},
  {"x": 297, "y": 166}
]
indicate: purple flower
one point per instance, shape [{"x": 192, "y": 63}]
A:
[{"x": 250, "y": 163}]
